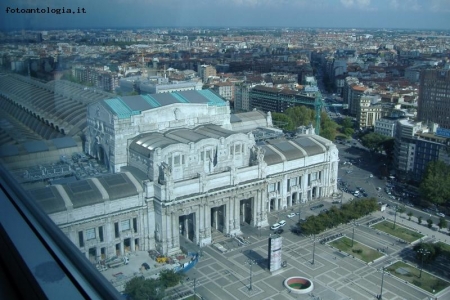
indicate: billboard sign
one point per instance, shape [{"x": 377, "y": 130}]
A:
[{"x": 275, "y": 244}]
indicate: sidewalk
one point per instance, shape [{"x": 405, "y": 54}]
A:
[{"x": 434, "y": 232}]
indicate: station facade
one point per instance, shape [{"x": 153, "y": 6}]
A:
[{"x": 180, "y": 169}]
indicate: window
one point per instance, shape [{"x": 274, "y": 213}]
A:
[
  {"x": 116, "y": 230},
  {"x": 90, "y": 234},
  {"x": 135, "y": 225},
  {"x": 100, "y": 233},
  {"x": 125, "y": 225},
  {"x": 80, "y": 238},
  {"x": 271, "y": 187}
]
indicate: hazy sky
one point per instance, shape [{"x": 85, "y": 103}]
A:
[{"x": 434, "y": 14}]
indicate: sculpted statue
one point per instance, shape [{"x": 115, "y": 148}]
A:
[{"x": 167, "y": 172}]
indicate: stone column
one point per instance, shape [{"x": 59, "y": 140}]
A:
[
  {"x": 207, "y": 221},
  {"x": 196, "y": 224},
  {"x": 237, "y": 217},
  {"x": 186, "y": 227},
  {"x": 122, "y": 250},
  {"x": 305, "y": 193}
]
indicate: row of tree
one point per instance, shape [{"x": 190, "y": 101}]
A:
[
  {"x": 336, "y": 216},
  {"x": 430, "y": 251},
  {"x": 140, "y": 288},
  {"x": 297, "y": 116},
  {"x": 435, "y": 185}
]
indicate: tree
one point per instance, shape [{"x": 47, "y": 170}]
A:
[
  {"x": 283, "y": 121},
  {"x": 419, "y": 220},
  {"x": 169, "y": 278},
  {"x": 435, "y": 186},
  {"x": 410, "y": 214},
  {"x": 347, "y": 123},
  {"x": 425, "y": 251},
  {"x": 300, "y": 115},
  {"x": 140, "y": 288},
  {"x": 430, "y": 223},
  {"x": 388, "y": 147},
  {"x": 442, "y": 223},
  {"x": 373, "y": 141}
]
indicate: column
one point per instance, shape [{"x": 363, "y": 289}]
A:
[
  {"x": 122, "y": 250},
  {"x": 208, "y": 220},
  {"x": 243, "y": 212},
  {"x": 305, "y": 193},
  {"x": 186, "y": 227},
  {"x": 195, "y": 223},
  {"x": 175, "y": 230},
  {"x": 216, "y": 224},
  {"x": 236, "y": 222},
  {"x": 201, "y": 221}
]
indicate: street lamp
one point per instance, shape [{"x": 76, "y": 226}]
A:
[
  {"x": 380, "y": 296},
  {"x": 395, "y": 215},
  {"x": 423, "y": 252},
  {"x": 353, "y": 234},
  {"x": 314, "y": 248}
]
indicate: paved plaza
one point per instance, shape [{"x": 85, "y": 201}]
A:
[{"x": 335, "y": 274}]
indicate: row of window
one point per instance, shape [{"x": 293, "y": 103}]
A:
[
  {"x": 179, "y": 159},
  {"x": 293, "y": 181},
  {"x": 93, "y": 233}
]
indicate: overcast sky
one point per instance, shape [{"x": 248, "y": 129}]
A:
[{"x": 426, "y": 14}]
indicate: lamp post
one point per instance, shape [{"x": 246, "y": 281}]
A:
[
  {"x": 353, "y": 234},
  {"x": 299, "y": 213},
  {"x": 314, "y": 248},
  {"x": 382, "y": 280},
  {"x": 422, "y": 252},
  {"x": 395, "y": 215}
]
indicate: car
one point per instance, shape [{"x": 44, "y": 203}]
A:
[
  {"x": 278, "y": 231},
  {"x": 275, "y": 226},
  {"x": 291, "y": 215},
  {"x": 370, "y": 175},
  {"x": 296, "y": 230},
  {"x": 282, "y": 223},
  {"x": 440, "y": 215}
]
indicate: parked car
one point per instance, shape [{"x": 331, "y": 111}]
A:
[
  {"x": 440, "y": 215},
  {"x": 282, "y": 223},
  {"x": 279, "y": 231},
  {"x": 275, "y": 226}
]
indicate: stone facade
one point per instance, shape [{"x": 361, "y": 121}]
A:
[{"x": 191, "y": 176}]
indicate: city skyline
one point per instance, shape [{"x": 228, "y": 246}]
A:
[{"x": 392, "y": 14}]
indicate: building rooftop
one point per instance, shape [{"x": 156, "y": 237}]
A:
[{"x": 124, "y": 107}]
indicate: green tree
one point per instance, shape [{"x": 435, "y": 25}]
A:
[
  {"x": 410, "y": 214},
  {"x": 430, "y": 223},
  {"x": 300, "y": 115},
  {"x": 140, "y": 288},
  {"x": 347, "y": 123},
  {"x": 327, "y": 127},
  {"x": 373, "y": 141},
  {"x": 170, "y": 278},
  {"x": 435, "y": 186},
  {"x": 348, "y": 132},
  {"x": 283, "y": 121},
  {"x": 425, "y": 251},
  {"x": 442, "y": 223},
  {"x": 388, "y": 147}
]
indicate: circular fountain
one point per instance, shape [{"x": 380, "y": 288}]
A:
[{"x": 299, "y": 285}]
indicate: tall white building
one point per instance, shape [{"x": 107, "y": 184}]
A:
[{"x": 182, "y": 172}]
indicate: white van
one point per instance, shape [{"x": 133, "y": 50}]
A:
[
  {"x": 282, "y": 223},
  {"x": 356, "y": 193},
  {"x": 275, "y": 226}
]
